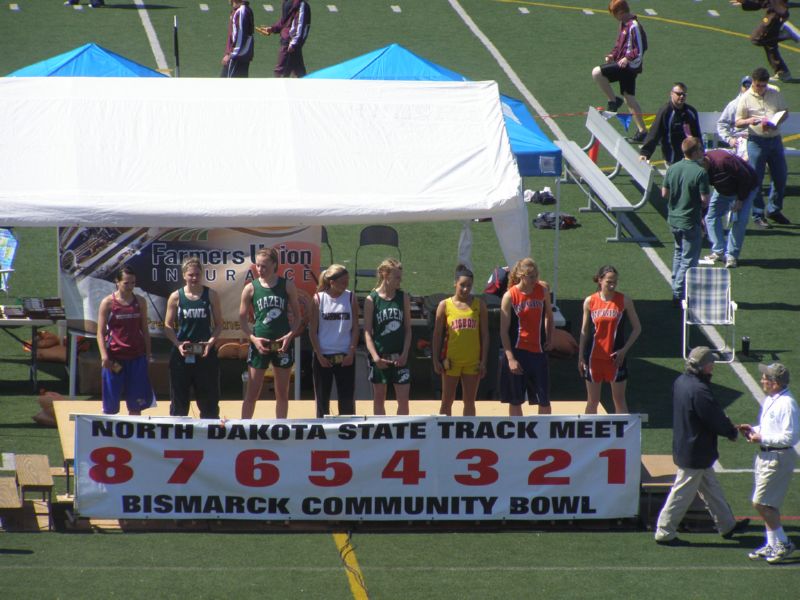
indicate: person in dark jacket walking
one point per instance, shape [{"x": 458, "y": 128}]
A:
[
  {"x": 675, "y": 121},
  {"x": 697, "y": 421},
  {"x": 239, "y": 43},
  {"x": 293, "y": 28},
  {"x": 770, "y": 32}
]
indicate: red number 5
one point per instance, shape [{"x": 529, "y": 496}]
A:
[{"x": 320, "y": 461}]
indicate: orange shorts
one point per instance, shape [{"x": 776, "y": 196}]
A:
[{"x": 600, "y": 371}]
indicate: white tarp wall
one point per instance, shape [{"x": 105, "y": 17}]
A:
[{"x": 256, "y": 152}]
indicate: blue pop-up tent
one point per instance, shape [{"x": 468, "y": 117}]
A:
[
  {"x": 536, "y": 155},
  {"x": 89, "y": 60}
]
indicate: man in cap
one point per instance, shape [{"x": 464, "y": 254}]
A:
[
  {"x": 735, "y": 137},
  {"x": 776, "y": 434},
  {"x": 697, "y": 421}
]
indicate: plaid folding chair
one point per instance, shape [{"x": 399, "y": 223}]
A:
[{"x": 708, "y": 302}]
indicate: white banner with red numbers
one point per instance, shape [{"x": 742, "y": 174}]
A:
[{"x": 359, "y": 468}]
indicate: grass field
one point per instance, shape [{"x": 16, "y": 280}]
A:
[{"x": 551, "y": 48}]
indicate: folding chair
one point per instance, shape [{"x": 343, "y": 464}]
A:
[
  {"x": 708, "y": 302},
  {"x": 8, "y": 248},
  {"x": 324, "y": 242},
  {"x": 375, "y": 235}
]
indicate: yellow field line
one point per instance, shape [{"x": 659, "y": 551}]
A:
[
  {"x": 355, "y": 577},
  {"x": 648, "y": 17},
  {"x": 791, "y": 138}
]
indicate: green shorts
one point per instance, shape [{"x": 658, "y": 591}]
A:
[
  {"x": 396, "y": 375},
  {"x": 282, "y": 360}
]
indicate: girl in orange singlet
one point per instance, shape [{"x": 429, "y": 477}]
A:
[{"x": 603, "y": 347}]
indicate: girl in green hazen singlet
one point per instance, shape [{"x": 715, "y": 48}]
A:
[
  {"x": 387, "y": 333},
  {"x": 270, "y": 298}
]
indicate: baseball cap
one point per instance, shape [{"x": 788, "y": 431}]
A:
[
  {"x": 747, "y": 81},
  {"x": 775, "y": 372},
  {"x": 700, "y": 357}
]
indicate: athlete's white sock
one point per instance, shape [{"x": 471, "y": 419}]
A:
[
  {"x": 771, "y": 538},
  {"x": 780, "y": 534}
]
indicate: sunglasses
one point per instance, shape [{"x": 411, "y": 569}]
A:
[{"x": 679, "y": 94}]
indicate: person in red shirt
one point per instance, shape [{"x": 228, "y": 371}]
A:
[
  {"x": 526, "y": 331},
  {"x": 603, "y": 347},
  {"x": 123, "y": 339}
]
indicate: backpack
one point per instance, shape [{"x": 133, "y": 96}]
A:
[
  {"x": 498, "y": 282},
  {"x": 547, "y": 220}
]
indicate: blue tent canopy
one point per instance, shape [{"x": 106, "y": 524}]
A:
[
  {"x": 536, "y": 154},
  {"x": 89, "y": 60}
]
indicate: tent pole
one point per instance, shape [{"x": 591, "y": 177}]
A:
[{"x": 555, "y": 248}]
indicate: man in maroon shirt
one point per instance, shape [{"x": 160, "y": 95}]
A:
[{"x": 735, "y": 187}]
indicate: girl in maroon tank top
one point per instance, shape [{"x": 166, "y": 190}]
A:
[{"x": 124, "y": 343}]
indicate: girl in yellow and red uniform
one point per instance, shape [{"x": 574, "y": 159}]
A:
[
  {"x": 466, "y": 343},
  {"x": 603, "y": 347}
]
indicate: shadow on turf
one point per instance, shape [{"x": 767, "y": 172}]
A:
[{"x": 14, "y": 551}]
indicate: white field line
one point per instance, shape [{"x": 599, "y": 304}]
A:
[
  {"x": 402, "y": 569},
  {"x": 650, "y": 252},
  {"x": 155, "y": 45}
]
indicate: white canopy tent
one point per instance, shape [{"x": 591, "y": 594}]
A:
[{"x": 258, "y": 152}]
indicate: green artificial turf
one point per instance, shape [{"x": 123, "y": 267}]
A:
[{"x": 552, "y": 49}]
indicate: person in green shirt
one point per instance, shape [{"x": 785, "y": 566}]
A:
[
  {"x": 686, "y": 190},
  {"x": 269, "y": 298},
  {"x": 193, "y": 323},
  {"x": 387, "y": 333}
]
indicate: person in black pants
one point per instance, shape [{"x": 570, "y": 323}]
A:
[
  {"x": 193, "y": 323},
  {"x": 334, "y": 335}
]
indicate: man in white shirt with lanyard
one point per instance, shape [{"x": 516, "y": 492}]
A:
[{"x": 777, "y": 433}]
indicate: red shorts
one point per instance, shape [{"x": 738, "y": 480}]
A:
[{"x": 600, "y": 370}]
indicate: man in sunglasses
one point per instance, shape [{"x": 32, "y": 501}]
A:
[{"x": 675, "y": 121}]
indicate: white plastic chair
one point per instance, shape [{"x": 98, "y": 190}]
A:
[{"x": 708, "y": 302}]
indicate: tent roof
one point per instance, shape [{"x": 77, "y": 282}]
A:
[
  {"x": 89, "y": 60},
  {"x": 535, "y": 153},
  {"x": 258, "y": 152}
]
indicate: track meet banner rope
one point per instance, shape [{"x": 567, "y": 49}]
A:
[{"x": 359, "y": 468}]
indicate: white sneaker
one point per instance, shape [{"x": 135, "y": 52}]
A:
[
  {"x": 731, "y": 262},
  {"x": 761, "y": 553},
  {"x": 713, "y": 257},
  {"x": 780, "y": 552}
]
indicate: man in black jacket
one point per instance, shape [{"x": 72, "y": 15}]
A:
[
  {"x": 675, "y": 121},
  {"x": 697, "y": 421}
]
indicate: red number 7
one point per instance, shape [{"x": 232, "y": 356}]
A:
[{"x": 190, "y": 460}]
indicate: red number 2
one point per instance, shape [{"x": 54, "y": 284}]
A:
[{"x": 541, "y": 475}]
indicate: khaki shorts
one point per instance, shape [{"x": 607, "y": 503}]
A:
[{"x": 773, "y": 471}]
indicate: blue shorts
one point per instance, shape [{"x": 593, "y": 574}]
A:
[
  {"x": 535, "y": 379},
  {"x": 132, "y": 380}
]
